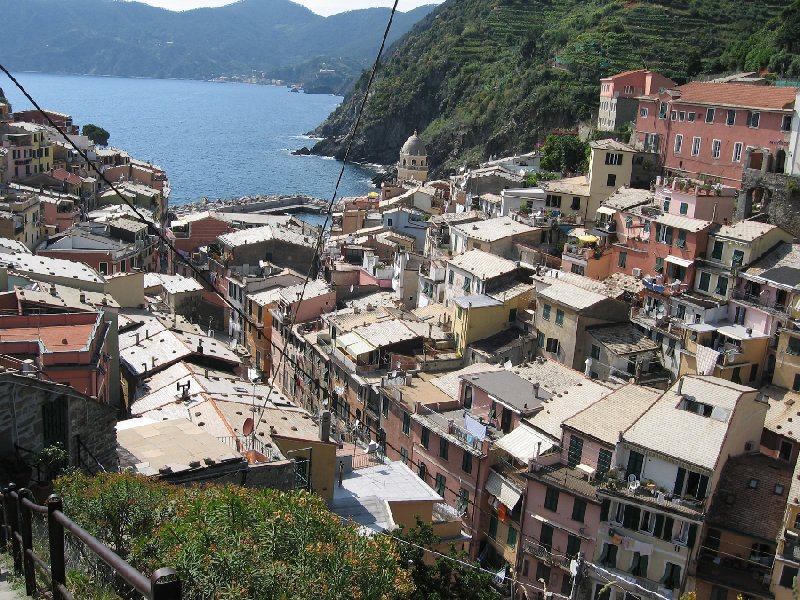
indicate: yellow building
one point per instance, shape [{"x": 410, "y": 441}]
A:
[
  {"x": 29, "y": 150},
  {"x": 139, "y": 195},
  {"x": 479, "y": 316},
  {"x": 787, "y": 359},
  {"x": 413, "y": 164},
  {"x": 21, "y": 219}
]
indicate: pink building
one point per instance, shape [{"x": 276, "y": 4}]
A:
[
  {"x": 59, "y": 214},
  {"x": 190, "y": 232},
  {"x": 715, "y": 130},
  {"x": 69, "y": 348},
  {"x": 619, "y": 93}
]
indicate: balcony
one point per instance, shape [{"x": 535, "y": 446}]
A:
[
  {"x": 649, "y": 318},
  {"x": 667, "y": 289},
  {"x": 743, "y": 575},
  {"x": 763, "y": 301},
  {"x": 690, "y": 508},
  {"x": 545, "y": 554}
]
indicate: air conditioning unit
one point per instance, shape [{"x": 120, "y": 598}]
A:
[{"x": 637, "y": 272}]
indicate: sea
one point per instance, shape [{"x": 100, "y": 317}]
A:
[{"x": 215, "y": 140}]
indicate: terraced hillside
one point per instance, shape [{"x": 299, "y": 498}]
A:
[{"x": 483, "y": 77}]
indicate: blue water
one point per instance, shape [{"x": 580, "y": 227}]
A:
[{"x": 215, "y": 140}]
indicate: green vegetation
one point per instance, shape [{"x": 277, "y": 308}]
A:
[
  {"x": 98, "y": 135},
  {"x": 565, "y": 153},
  {"x": 276, "y": 38},
  {"x": 231, "y": 543},
  {"x": 484, "y": 77}
]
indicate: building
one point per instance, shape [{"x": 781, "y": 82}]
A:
[
  {"x": 190, "y": 232},
  {"x": 742, "y": 528},
  {"x": 477, "y": 272},
  {"x": 622, "y": 352},
  {"x": 21, "y": 218},
  {"x": 712, "y": 131},
  {"x": 667, "y": 468},
  {"x": 413, "y": 163},
  {"x": 36, "y": 413},
  {"x": 29, "y": 150},
  {"x": 493, "y": 236},
  {"x": 564, "y": 312},
  {"x": 619, "y": 104}
]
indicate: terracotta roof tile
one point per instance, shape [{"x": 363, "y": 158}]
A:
[{"x": 732, "y": 94}]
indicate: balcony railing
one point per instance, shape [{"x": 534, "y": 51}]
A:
[
  {"x": 545, "y": 554},
  {"x": 668, "y": 289},
  {"x": 762, "y": 300}
]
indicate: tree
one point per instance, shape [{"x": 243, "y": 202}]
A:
[
  {"x": 444, "y": 578},
  {"x": 563, "y": 152},
  {"x": 98, "y": 135}
]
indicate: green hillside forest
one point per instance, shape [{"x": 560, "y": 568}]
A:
[
  {"x": 279, "y": 38},
  {"x": 488, "y": 77}
]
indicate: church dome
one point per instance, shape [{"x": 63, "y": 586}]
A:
[{"x": 414, "y": 146}]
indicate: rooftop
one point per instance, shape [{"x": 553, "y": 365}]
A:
[
  {"x": 450, "y": 383},
  {"x": 56, "y": 267},
  {"x": 746, "y": 231},
  {"x": 256, "y": 235},
  {"x": 172, "y": 284},
  {"x": 492, "y": 230},
  {"x": 573, "y": 186},
  {"x": 570, "y": 295},
  {"x": 476, "y": 301},
  {"x": 610, "y": 144},
  {"x": 623, "y": 339},
  {"x": 683, "y": 434},
  {"x": 679, "y": 222},
  {"x": 604, "y": 419},
  {"x": 784, "y": 409},
  {"x": 178, "y": 444},
  {"x": 780, "y": 265},
  {"x": 626, "y": 198},
  {"x": 509, "y": 389},
  {"x": 483, "y": 264},
  {"x": 738, "y": 95}
]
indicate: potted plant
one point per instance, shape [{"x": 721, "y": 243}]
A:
[{"x": 52, "y": 460}]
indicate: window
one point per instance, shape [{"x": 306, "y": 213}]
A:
[
  {"x": 611, "y": 181},
  {"x": 573, "y": 546},
  {"x": 722, "y": 286},
  {"x": 696, "y": 145},
  {"x": 785, "y": 452},
  {"x": 540, "y": 341},
  {"x": 621, "y": 259},
  {"x": 737, "y": 152},
  {"x": 608, "y": 558},
  {"x": 559, "y": 317},
  {"x": 467, "y": 283},
  {"x": 710, "y": 115},
  {"x": 643, "y": 113},
  {"x": 684, "y": 208},
  {"x": 404, "y": 455},
  {"x": 551, "y": 499},
  {"x": 788, "y": 577},
  {"x": 639, "y": 565},
  {"x": 542, "y": 571},
  {"x": 665, "y": 204},
  {"x": 546, "y": 537},
  {"x": 635, "y": 464},
  {"x": 716, "y": 147},
  {"x": 440, "y": 484},
  {"x": 406, "y": 423},
  {"x": 603, "y": 461},
  {"x": 613, "y": 158},
  {"x": 385, "y": 407},
  {"x": 681, "y": 243},
  {"x": 738, "y": 258},
  {"x": 678, "y": 143},
  {"x": 672, "y": 576},
  {"x": 444, "y": 448},
  {"x": 511, "y": 539},
  {"x": 648, "y": 522},
  {"x": 718, "y": 593},
  {"x": 575, "y": 451},
  {"x": 552, "y": 345},
  {"x": 681, "y": 115},
  {"x": 595, "y": 352},
  {"x": 389, "y": 222},
  {"x": 426, "y": 437},
  {"x": 716, "y": 253},
  {"x": 422, "y": 470},
  {"x": 493, "y": 527},
  {"x": 576, "y": 203},
  {"x": 753, "y": 119},
  {"x": 546, "y": 308},
  {"x": 104, "y": 268},
  {"x": 450, "y": 276},
  {"x": 690, "y": 117},
  {"x": 705, "y": 281},
  {"x": 786, "y": 122},
  {"x": 467, "y": 396},
  {"x": 578, "y": 269},
  {"x": 673, "y": 116},
  {"x": 552, "y": 201},
  {"x": 663, "y": 108},
  {"x": 731, "y": 117},
  {"x": 466, "y": 462},
  {"x": 463, "y": 501},
  {"x": 579, "y": 510}
]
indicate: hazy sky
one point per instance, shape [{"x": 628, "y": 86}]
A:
[{"x": 322, "y": 7}]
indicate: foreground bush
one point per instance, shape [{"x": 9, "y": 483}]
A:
[{"x": 231, "y": 543}]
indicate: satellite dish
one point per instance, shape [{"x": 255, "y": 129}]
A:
[{"x": 247, "y": 428}]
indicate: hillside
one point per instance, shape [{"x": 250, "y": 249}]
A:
[
  {"x": 483, "y": 77},
  {"x": 106, "y": 37}
]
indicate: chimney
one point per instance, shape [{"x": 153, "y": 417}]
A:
[
  {"x": 680, "y": 386},
  {"x": 536, "y": 390},
  {"x": 153, "y": 361},
  {"x": 83, "y": 297},
  {"x": 325, "y": 426},
  {"x": 200, "y": 347},
  {"x": 53, "y": 290},
  {"x": 137, "y": 338}
]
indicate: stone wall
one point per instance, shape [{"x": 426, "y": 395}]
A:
[
  {"x": 22, "y": 412},
  {"x": 781, "y": 206}
]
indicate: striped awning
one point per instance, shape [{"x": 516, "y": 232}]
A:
[{"x": 499, "y": 486}]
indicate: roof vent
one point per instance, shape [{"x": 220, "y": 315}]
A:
[{"x": 195, "y": 464}]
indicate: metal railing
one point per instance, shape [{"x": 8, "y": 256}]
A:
[{"x": 16, "y": 537}]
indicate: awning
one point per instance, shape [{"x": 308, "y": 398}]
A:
[
  {"x": 498, "y": 486},
  {"x": 523, "y": 442},
  {"x": 604, "y": 210},
  {"x": 558, "y": 525},
  {"x": 681, "y": 262},
  {"x": 354, "y": 344},
  {"x": 588, "y": 239}
]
